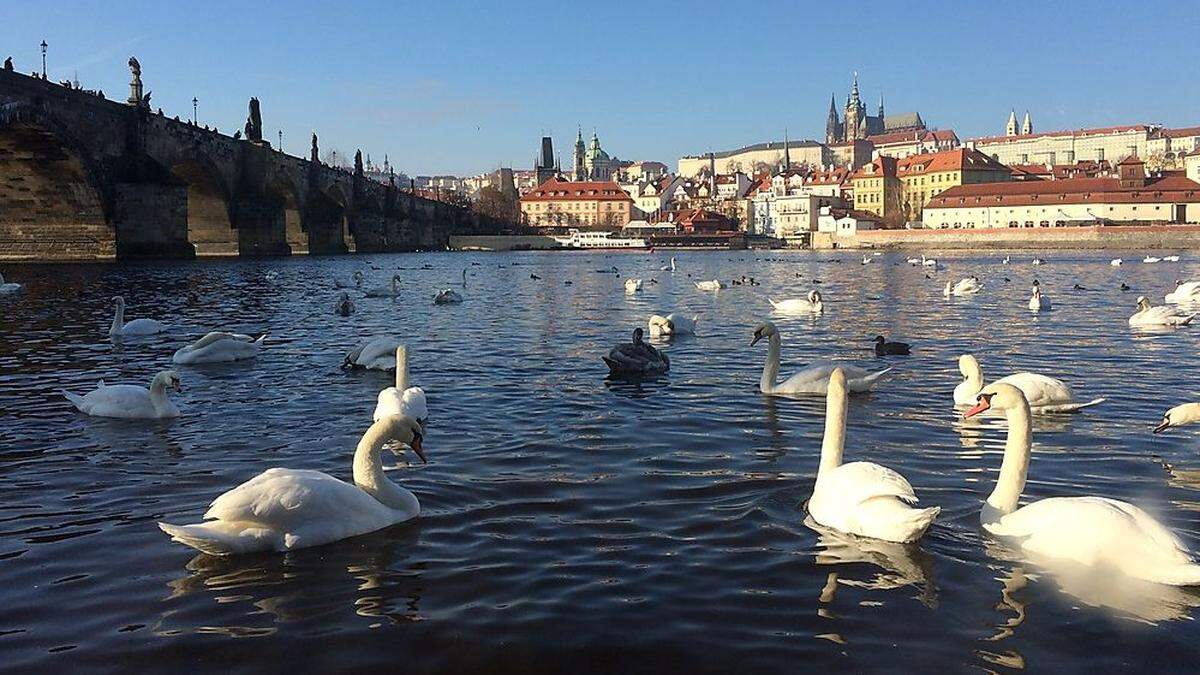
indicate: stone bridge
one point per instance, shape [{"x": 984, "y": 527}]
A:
[{"x": 83, "y": 177}]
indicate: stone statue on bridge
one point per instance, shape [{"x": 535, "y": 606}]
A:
[
  {"x": 8, "y": 64},
  {"x": 135, "y": 85},
  {"x": 314, "y": 156},
  {"x": 254, "y": 123}
]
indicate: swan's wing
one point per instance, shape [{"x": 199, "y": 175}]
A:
[
  {"x": 1040, "y": 390},
  {"x": 858, "y": 482},
  {"x": 119, "y": 397},
  {"x": 382, "y": 347},
  {"x": 288, "y": 499}
]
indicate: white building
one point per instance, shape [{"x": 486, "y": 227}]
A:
[{"x": 845, "y": 222}]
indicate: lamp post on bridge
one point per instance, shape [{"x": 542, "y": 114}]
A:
[
  {"x": 44, "y": 59},
  {"x": 194, "y": 102},
  {"x": 281, "y": 140}
]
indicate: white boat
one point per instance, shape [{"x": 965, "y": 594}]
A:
[{"x": 578, "y": 239}]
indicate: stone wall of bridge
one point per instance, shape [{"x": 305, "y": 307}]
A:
[{"x": 83, "y": 177}]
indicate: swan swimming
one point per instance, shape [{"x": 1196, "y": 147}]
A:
[
  {"x": 219, "y": 346},
  {"x": 1044, "y": 394},
  {"x": 1178, "y": 416},
  {"x": 385, "y": 291},
  {"x": 636, "y": 358},
  {"x": 288, "y": 509},
  {"x": 344, "y": 306},
  {"x": 356, "y": 281},
  {"x": 1151, "y": 259},
  {"x": 1038, "y": 302},
  {"x": 129, "y": 401},
  {"x": 135, "y": 327},
  {"x": 861, "y": 498},
  {"x": 1158, "y": 316},
  {"x": 1090, "y": 531},
  {"x": 1037, "y": 261},
  {"x": 965, "y": 286},
  {"x": 810, "y": 305},
  {"x": 670, "y": 267},
  {"x": 633, "y": 285},
  {"x": 814, "y": 379},
  {"x": 402, "y": 399},
  {"x": 929, "y": 262},
  {"x": 447, "y": 297},
  {"x": 713, "y": 285},
  {"x": 1116, "y": 262},
  {"x": 376, "y": 353},
  {"x": 1185, "y": 291},
  {"x": 673, "y": 324},
  {"x": 8, "y": 287}
]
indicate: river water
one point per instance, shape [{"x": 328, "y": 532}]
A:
[{"x": 573, "y": 523}]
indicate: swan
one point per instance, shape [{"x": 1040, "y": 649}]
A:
[
  {"x": 129, "y": 401},
  {"x": 1170, "y": 258},
  {"x": 377, "y": 353},
  {"x": 714, "y": 285},
  {"x": 402, "y": 399},
  {"x": 356, "y": 280},
  {"x": 1044, "y": 394},
  {"x": 288, "y": 509},
  {"x": 636, "y": 358},
  {"x": 220, "y": 346},
  {"x": 8, "y": 287},
  {"x": 1038, "y": 302},
  {"x": 929, "y": 262},
  {"x": 1185, "y": 291},
  {"x": 810, "y": 305},
  {"x": 811, "y": 380},
  {"x": 447, "y": 297},
  {"x": 1006, "y": 260},
  {"x": 866, "y": 259},
  {"x": 670, "y": 267},
  {"x": 913, "y": 261},
  {"x": 344, "y": 306},
  {"x": 673, "y": 324},
  {"x": 1116, "y": 262},
  {"x": 1037, "y": 261},
  {"x": 965, "y": 286},
  {"x": 861, "y": 498},
  {"x": 1158, "y": 316},
  {"x": 1179, "y": 416},
  {"x": 135, "y": 327},
  {"x": 633, "y": 285},
  {"x": 1086, "y": 530},
  {"x": 1151, "y": 259},
  {"x": 385, "y": 291}
]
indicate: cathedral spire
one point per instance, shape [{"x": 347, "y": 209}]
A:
[
  {"x": 1010, "y": 129},
  {"x": 787, "y": 157},
  {"x": 832, "y": 133},
  {"x": 1027, "y": 125},
  {"x": 854, "y": 89},
  {"x": 881, "y": 105}
]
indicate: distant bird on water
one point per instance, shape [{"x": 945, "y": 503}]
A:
[
  {"x": 534, "y": 277},
  {"x": 885, "y": 348}
]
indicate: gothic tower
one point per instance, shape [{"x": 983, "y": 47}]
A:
[
  {"x": 881, "y": 115},
  {"x": 833, "y": 127},
  {"x": 855, "y": 124},
  {"x": 1011, "y": 128},
  {"x": 1027, "y": 125}
]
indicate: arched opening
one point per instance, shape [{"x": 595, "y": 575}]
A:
[
  {"x": 328, "y": 227},
  {"x": 50, "y": 205},
  {"x": 284, "y": 196},
  {"x": 209, "y": 228}
]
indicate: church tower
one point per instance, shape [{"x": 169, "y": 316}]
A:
[
  {"x": 1011, "y": 128},
  {"x": 1027, "y": 125},
  {"x": 833, "y": 127},
  {"x": 787, "y": 155},
  {"x": 881, "y": 115},
  {"x": 855, "y": 124},
  {"x": 580, "y": 172}
]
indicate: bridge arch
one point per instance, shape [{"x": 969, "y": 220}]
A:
[
  {"x": 328, "y": 219},
  {"x": 285, "y": 196},
  {"x": 54, "y": 203},
  {"x": 209, "y": 222}
]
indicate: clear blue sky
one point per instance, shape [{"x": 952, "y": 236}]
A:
[{"x": 450, "y": 87}]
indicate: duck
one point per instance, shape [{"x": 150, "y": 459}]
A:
[
  {"x": 636, "y": 358},
  {"x": 376, "y": 353},
  {"x": 812, "y": 304},
  {"x": 965, "y": 286},
  {"x": 673, "y": 324},
  {"x": 402, "y": 399},
  {"x": 288, "y": 509},
  {"x": 385, "y": 291},
  {"x": 1089, "y": 531},
  {"x": 1185, "y": 291},
  {"x": 1038, "y": 302},
  {"x": 1158, "y": 316},
  {"x": 1037, "y": 261},
  {"x": 1045, "y": 394},
  {"x": 8, "y": 287},
  {"x": 220, "y": 346},
  {"x": 356, "y": 280},
  {"x": 885, "y": 348},
  {"x": 812, "y": 380},
  {"x": 861, "y": 498},
  {"x": 129, "y": 401},
  {"x": 136, "y": 327},
  {"x": 447, "y": 297},
  {"x": 1125, "y": 287},
  {"x": 1006, "y": 260},
  {"x": 344, "y": 306},
  {"x": 1178, "y": 416},
  {"x": 1116, "y": 262},
  {"x": 534, "y": 277},
  {"x": 633, "y": 285},
  {"x": 712, "y": 285}
]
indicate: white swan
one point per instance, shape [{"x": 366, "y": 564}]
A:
[
  {"x": 929, "y": 262},
  {"x": 1178, "y": 416},
  {"x": 1151, "y": 259},
  {"x": 633, "y": 285},
  {"x": 1037, "y": 261},
  {"x": 1158, "y": 316},
  {"x": 670, "y": 267},
  {"x": 1044, "y": 394},
  {"x": 402, "y": 399},
  {"x": 811, "y": 380},
  {"x": 288, "y": 509},
  {"x": 1091, "y": 531},
  {"x": 1038, "y": 302},
  {"x": 714, "y": 285},
  {"x": 8, "y": 287},
  {"x": 1116, "y": 262},
  {"x": 219, "y": 346},
  {"x": 377, "y": 353},
  {"x": 1185, "y": 291},
  {"x": 673, "y": 324},
  {"x": 135, "y": 327},
  {"x": 861, "y": 498},
  {"x": 129, "y": 401},
  {"x": 810, "y": 305},
  {"x": 385, "y": 291},
  {"x": 866, "y": 259},
  {"x": 1170, "y": 258},
  {"x": 965, "y": 286},
  {"x": 914, "y": 261},
  {"x": 1006, "y": 260},
  {"x": 447, "y": 297},
  {"x": 355, "y": 281}
]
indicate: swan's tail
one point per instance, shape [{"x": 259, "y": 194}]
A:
[
  {"x": 201, "y": 537},
  {"x": 1181, "y": 574},
  {"x": 869, "y": 381},
  {"x": 1071, "y": 407},
  {"x": 260, "y": 339},
  {"x": 919, "y": 520},
  {"x": 893, "y": 519},
  {"x": 75, "y": 400},
  {"x": 1187, "y": 320},
  {"x": 773, "y": 303}
]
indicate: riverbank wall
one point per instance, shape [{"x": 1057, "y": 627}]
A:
[{"x": 1086, "y": 237}]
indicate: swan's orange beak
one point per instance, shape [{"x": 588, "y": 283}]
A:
[
  {"x": 416, "y": 446},
  {"x": 983, "y": 405}
]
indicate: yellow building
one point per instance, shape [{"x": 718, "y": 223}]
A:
[
  {"x": 901, "y": 197},
  {"x": 877, "y": 189},
  {"x": 596, "y": 205}
]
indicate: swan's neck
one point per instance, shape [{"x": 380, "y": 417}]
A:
[
  {"x": 834, "y": 442},
  {"x": 1015, "y": 466},
  {"x": 401, "y": 370},
  {"x": 368, "y": 471},
  {"x": 771, "y": 369},
  {"x": 118, "y": 319},
  {"x": 974, "y": 377},
  {"x": 158, "y": 396}
]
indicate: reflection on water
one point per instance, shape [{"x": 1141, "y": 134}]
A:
[{"x": 571, "y": 521}]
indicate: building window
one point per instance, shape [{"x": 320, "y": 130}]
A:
[{"x": 1100, "y": 154}]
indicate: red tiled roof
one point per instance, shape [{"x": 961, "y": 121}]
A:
[
  {"x": 554, "y": 190},
  {"x": 959, "y": 159},
  {"x": 1184, "y": 132},
  {"x": 899, "y": 137},
  {"x": 1131, "y": 160},
  {"x": 1173, "y": 188}
]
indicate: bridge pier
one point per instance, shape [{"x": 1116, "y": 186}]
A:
[
  {"x": 151, "y": 221},
  {"x": 260, "y": 228}
]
